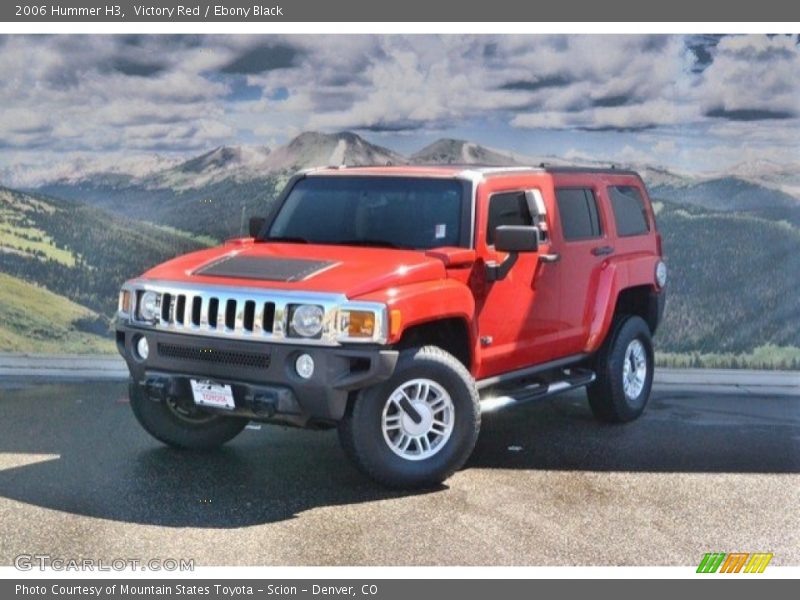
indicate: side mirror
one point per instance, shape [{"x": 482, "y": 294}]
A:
[
  {"x": 516, "y": 238},
  {"x": 256, "y": 225},
  {"x": 512, "y": 239}
]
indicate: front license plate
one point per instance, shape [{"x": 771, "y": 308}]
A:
[{"x": 208, "y": 393}]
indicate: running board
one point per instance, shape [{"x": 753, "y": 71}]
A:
[{"x": 576, "y": 378}]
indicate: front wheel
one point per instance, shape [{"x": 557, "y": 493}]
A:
[
  {"x": 624, "y": 368},
  {"x": 418, "y": 427}
]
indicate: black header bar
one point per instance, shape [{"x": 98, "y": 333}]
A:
[{"x": 33, "y": 11}]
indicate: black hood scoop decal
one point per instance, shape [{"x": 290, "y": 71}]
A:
[{"x": 263, "y": 267}]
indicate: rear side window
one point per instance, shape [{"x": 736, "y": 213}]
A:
[
  {"x": 577, "y": 208},
  {"x": 509, "y": 208},
  {"x": 629, "y": 211}
]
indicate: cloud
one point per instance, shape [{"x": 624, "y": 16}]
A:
[
  {"x": 749, "y": 114},
  {"x": 23, "y": 120},
  {"x": 137, "y": 69},
  {"x": 702, "y": 48},
  {"x": 612, "y": 101},
  {"x": 535, "y": 85},
  {"x": 261, "y": 59},
  {"x": 638, "y": 117},
  {"x": 101, "y": 93},
  {"x": 63, "y": 95},
  {"x": 752, "y": 78}
]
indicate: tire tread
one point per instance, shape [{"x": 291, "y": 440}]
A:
[{"x": 607, "y": 395}]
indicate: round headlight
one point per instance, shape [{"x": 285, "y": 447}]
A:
[
  {"x": 307, "y": 320},
  {"x": 661, "y": 274},
  {"x": 148, "y": 306}
]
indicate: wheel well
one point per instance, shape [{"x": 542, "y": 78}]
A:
[
  {"x": 450, "y": 335},
  {"x": 638, "y": 301}
]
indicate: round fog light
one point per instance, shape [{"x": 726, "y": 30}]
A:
[
  {"x": 304, "y": 366},
  {"x": 142, "y": 348}
]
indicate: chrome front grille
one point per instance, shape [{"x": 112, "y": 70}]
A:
[
  {"x": 221, "y": 311},
  {"x": 217, "y": 313}
]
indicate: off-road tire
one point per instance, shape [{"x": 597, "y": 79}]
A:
[
  {"x": 362, "y": 437},
  {"x": 607, "y": 397},
  {"x": 160, "y": 421}
]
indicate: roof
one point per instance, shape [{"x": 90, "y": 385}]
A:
[
  {"x": 604, "y": 170},
  {"x": 455, "y": 170},
  {"x": 400, "y": 170}
]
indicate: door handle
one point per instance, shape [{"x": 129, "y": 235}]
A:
[
  {"x": 549, "y": 258},
  {"x": 602, "y": 250}
]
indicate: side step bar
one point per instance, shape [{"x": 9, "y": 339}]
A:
[{"x": 504, "y": 398}]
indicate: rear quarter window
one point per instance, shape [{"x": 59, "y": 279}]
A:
[{"x": 629, "y": 210}]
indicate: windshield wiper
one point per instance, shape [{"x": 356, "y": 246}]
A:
[
  {"x": 287, "y": 239},
  {"x": 368, "y": 242}
]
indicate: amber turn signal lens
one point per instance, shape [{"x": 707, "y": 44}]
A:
[
  {"x": 395, "y": 320},
  {"x": 125, "y": 301},
  {"x": 362, "y": 323}
]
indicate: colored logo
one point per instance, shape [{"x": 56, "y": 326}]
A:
[{"x": 735, "y": 562}]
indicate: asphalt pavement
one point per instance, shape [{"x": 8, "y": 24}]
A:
[{"x": 705, "y": 469}]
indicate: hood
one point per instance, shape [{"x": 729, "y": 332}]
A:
[{"x": 353, "y": 271}]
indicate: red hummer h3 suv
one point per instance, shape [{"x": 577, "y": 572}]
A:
[{"x": 397, "y": 304}]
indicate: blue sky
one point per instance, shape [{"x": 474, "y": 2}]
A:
[{"x": 693, "y": 103}]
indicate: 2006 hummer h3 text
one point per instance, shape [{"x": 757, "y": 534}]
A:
[{"x": 397, "y": 304}]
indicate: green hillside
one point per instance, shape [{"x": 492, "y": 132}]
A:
[
  {"x": 80, "y": 251},
  {"x": 212, "y": 210},
  {"x": 733, "y": 281},
  {"x": 33, "y": 319}
]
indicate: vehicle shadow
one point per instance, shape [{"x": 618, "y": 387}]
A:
[
  {"x": 84, "y": 453},
  {"x": 77, "y": 448}
]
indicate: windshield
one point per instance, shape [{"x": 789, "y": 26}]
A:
[{"x": 394, "y": 212}]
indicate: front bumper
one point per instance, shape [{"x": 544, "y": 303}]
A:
[{"x": 262, "y": 375}]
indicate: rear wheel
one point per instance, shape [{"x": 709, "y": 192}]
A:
[
  {"x": 181, "y": 424},
  {"x": 624, "y": 368},
  {"x": 417, "y": 428}
]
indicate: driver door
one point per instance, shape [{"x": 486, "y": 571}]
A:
[{"x": 518, "y": 316}]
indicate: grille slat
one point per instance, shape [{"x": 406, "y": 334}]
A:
[
  {"x": 180, "y": 310},
  {"x": 166, "y": 308},
  {"x": 268, "y": 316},
  {"x": 230, "y": 314},
  {"x": 238, "y": 317},
  {"x": 197, "y": 303},
  {"x": 253, "y": 360},
  {"x": 221, "y": 310},
  {"x": 213, "y": 313},
  {"x": 249, "y": 315},
  {"x": 205, "y": 300}
]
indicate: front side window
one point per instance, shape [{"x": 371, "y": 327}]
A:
[
  {"x": 394, "y": 212},
  {"x": 577, "y": 208},
  {"x": 629, "y": 211},
  {"x": 508, "y": 208}
]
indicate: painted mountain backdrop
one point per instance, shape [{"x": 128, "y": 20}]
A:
[{"x": 725, "y": 234}]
